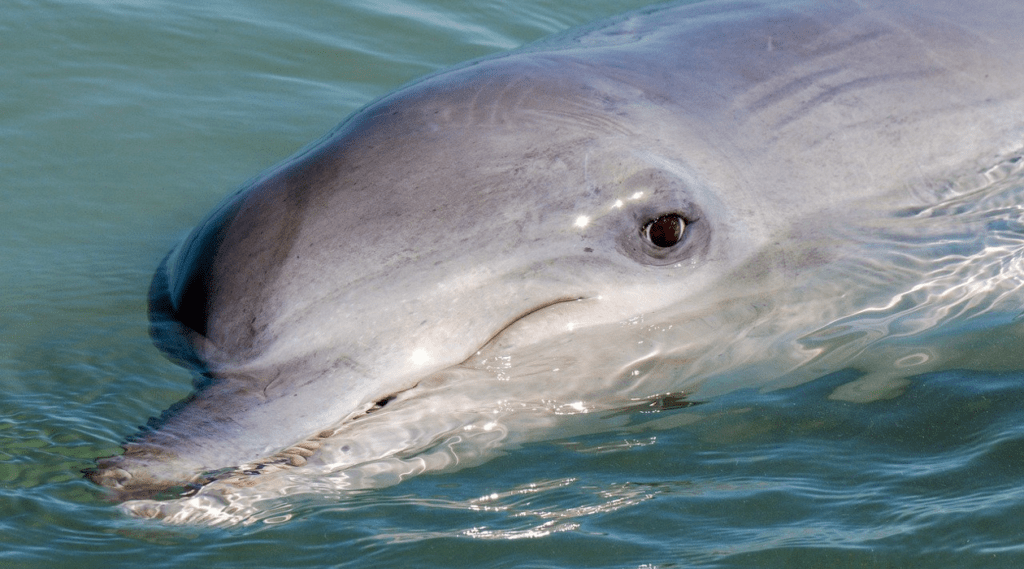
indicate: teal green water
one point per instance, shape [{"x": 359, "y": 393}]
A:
[{"x": 122, "y": 123}]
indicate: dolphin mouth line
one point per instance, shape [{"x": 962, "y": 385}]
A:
[
  {"x": 383, "y": 401},
  {"x": 521, "y": 317}
]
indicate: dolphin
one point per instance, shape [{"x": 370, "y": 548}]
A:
[{"x": 663, "y": 207}]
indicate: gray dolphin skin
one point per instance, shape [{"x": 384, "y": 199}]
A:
[{"x": 706, "y": 168}]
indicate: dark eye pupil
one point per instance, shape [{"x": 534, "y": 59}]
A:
[{"x": 665, "y": 231}]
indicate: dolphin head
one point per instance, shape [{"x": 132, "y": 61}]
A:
[
  {"x": 486, "y": 210},
  {"x": 677, "y": 168}
]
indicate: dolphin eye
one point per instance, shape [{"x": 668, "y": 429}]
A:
[{"x": 664, "y": 231}]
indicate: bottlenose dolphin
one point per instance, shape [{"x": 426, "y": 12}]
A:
[{"x": 666, "y": 206}]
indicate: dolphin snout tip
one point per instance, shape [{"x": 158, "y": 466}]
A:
[
  {"x": 112, "y": 474},
  {"x": 108, "y": 472},
  {"x": 111, "y": 477}
]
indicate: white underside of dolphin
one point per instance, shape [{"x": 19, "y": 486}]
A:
[{"x": 654, "y": 210}]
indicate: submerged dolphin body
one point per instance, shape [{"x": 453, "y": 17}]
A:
[{"x": 689, "y": 200}]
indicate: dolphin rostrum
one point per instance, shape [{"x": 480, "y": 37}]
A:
[{"x": 677, "y": 202}]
